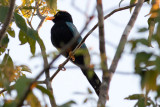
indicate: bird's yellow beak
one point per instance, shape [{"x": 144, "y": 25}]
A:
[{"x": 50, "y": 18}]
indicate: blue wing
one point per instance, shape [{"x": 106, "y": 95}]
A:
[{"x": 75, "y": 32}]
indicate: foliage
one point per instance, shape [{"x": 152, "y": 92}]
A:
[{"x": 13, "y": 79}]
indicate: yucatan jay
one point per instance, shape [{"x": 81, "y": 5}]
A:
[{"x": 62, "y": 33}]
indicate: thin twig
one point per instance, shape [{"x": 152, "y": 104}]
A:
[
  {"x": 44, "y": 55},
  {"x": 62, "y": 51},
  {"x": 8, "y": 19},
  {"x": 46, "y": 65},
  {"x": 95, "y": 26}
]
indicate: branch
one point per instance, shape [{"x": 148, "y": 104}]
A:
[
  {"x": 46, "y": 65},
  {"x": 8, "y": 19},
  {"x": 103, "y": 93},
  {"x": 44, "y": 55},
  {"x": 125, "y": 36},
  {"x": 63, "y": 50},
  {"x": 95, "y": 26}
]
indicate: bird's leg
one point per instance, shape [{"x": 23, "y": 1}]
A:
[
  {"x": 61, "y": 67},
  {"x": 71, "y": 56}
]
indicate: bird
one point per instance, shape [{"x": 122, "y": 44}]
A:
[{"x": 62, "y": 32}]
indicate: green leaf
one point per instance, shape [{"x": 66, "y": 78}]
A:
[
  {"x": 32, "y": 34},
  {"x": 7, "y": 74},
  {"x": 148, "y": 80},
  {"x": 3, "y": 13},
  {"x": 137, "y": 41},
  {"x": 10, "y": 103},
  {"x": 157, "y": 36},
  {"x": 33, "y": 101},
  {"x": 90, "y": 91},
  {"x": 151, "y": 24},
  {"x": 7, "y": 61},
  {"x": 25, "y": 68},
  {"x": 26, "y": 13},
  {"x": 85, "y": 100},
  {"x": 68, "y": 104},
  {"x": 11, "y": 32},
  {"x": 143, "y": 30},
  {"x": 4, "y": 44},
  {"x": 142, "y": 58},
  {"x": 21, "y": 86},
  {"x": 132, "y": 2},
  {"x": 45, "y": 91},
  {"x": 135, "y": 97},
  {"x": 32, "y": 44},
  {"x": 20, "y": 22},
  {"x": 22, "y": 37},
  {"x": 52, "y": 4}
]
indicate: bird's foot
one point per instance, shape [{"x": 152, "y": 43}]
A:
[
  {"x": 61, "y": 67},
  {"x": 71, "y": 56},
  {"x": 91, "y": 66}
]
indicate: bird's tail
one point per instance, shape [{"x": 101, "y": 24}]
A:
[{"x": 93, "y": 79}]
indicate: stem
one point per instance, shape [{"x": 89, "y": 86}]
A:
[{"x": 8, "y": 19}]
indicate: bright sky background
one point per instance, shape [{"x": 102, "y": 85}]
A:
[{"x": 67, "y": 83}]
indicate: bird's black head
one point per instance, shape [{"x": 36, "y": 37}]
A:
[{"x": 61, "y": 16}]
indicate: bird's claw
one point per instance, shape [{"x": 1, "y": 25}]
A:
[
  {"x": 71, "y": 56},
  {"x": 61, "y": 67}
]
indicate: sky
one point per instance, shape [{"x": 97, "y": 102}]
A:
[{"x": 68, "y": 82}]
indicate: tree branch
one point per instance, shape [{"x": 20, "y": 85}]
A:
[
  {"x": 44, "y": 55},
  {"x": 103, "y": 93},
  {"x": 66, "y": 47},
  {"x": 125, "y": 36},
  {"x": 8, "y": 19}
]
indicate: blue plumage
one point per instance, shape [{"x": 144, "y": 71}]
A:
[{"x": 62, "y": 33}]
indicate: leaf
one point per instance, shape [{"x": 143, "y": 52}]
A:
[
  {"x": 22, "y": 37},
  {"x": 32, "y": 34},
  {"x": 85, "y": 100},
  {"x": 142, "y": 58},
  {"x": 135, "y": 97},
  {"x": 137, "y": 41},
  {"x": 7, "y": 61},
  {"x": 132, "y": 2},
  {"x": 26, "y": 13},
  {"x": 7, "y": 74},
  {"x": 9, "y": 103},
  {"x": 148, "y": 80},
  {"x": 157, "y": 63},
  {"x": 20, "y": 22},
  {"x": 157, "y": 35},
  {"x": 52, "y": 4},
  {"x": 151, "y": 23},
  {"x": 142, "y": 30},
  {"x": 32, "y": 44},
  {"x": 45, "y": 91},
  {"x": 4, "y": 2},
  {"x": 68, "y": 104},
  {"x": 90, "y": 91},
  {"x": 33, "y": 101},
  {"x": 11, "y": 32},
  {"x": 4, "y": 44},
  {"x": 21, "y": 85},
  {"x": 25, "y": 68},
  {"x": 3, "y": 13}
]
